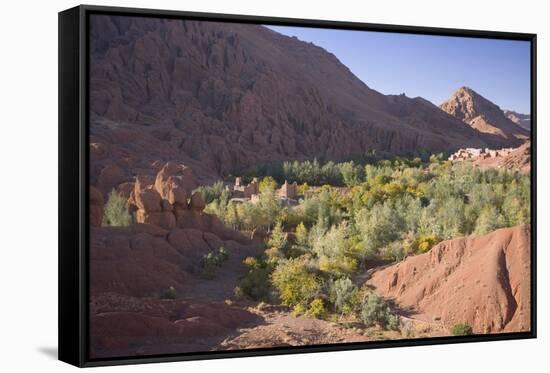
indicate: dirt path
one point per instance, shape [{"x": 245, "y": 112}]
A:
[
  {"x": 281, "y": 328},
  {"x": 222, "y": 285}
]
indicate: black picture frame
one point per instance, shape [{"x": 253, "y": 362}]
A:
[{"x": 74, "y": 180}]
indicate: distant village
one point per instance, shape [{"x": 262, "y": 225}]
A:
[
  {"x": 476, "y": 153},
  {"x": 240, "y": 192}
]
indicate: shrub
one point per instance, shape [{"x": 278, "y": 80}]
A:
[
  {"x": 337, "y": 266},
  {"x": 298, "y": 310},
  {"x": 375, "y": 310},
  {"x": 256, "y": 282},
  {"x": 212, "y": 261},
  {"x": 334, "y": 243},
  {"x": 169, "y": 293},
  {"x": 302, "y": 189},
  {"x": 343, "y": 295},
  {"x": 316, "y": 308},
  {"x": 424, "y": 243},
  {"x": 116, "y": 211},
  {"x": 295, "y": 282},
  {"x": 461, "y": 329}
]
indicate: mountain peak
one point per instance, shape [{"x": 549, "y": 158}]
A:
[{"x": 482, "y": 114}]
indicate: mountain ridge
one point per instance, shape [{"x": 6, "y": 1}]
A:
[
  {"x": 522, "y": 120},
  {"x": 220, "y": 96}
]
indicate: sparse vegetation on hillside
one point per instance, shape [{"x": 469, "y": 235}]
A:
[
  {"x": 116, "y": 211},
  {"x": 461, "y": 329},
  {"x": 212, "y": 261},
  {"x": 169, "y": 293}
]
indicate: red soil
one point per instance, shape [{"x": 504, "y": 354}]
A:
[{"x": 480, "y": 280}]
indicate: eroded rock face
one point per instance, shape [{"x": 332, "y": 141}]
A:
[
  {"x": 220, "y": 96},
  {"x": 480, "y": 280},
  {"x": 174, "y": 182}
]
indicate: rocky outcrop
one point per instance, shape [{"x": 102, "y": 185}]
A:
[
  {"x": 224, "y": 96},
  {"x": 484, "y": 281},
  {"x": 163, "y": 201},
  {"x": 484, "y": 116}
]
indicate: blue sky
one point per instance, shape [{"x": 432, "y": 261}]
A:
[{"x": 432, "y": 67}]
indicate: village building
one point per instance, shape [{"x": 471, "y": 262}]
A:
[
  {"x": 288, "y": 190},
  {"x": 239, "y": 190}
]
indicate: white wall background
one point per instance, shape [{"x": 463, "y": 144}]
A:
[{"x": 28, "y": 184}]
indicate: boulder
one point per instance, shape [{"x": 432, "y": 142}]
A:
[
  {"x": 148, "y": 201},
  {"x": 163, "y": 219},
  {"x": 177, "y": 196}
]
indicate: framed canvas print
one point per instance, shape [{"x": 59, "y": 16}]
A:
[{"x": 238, "y": 186}]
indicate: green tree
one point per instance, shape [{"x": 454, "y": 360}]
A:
[
  {"x": 268, "y": 183},
  {"x": 277, "y": 238},
  {"x": 489, "y": 219},
  {"x": 378, "y": 227},
  {"x": 269, "y": 206},
  {"x": 351, "y": 173}
]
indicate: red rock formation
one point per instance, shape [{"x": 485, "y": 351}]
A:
[
  {"x": 175, "y": 183},
  {"x": 165, "y": 203},
  {"x": 480, "y": 280}
]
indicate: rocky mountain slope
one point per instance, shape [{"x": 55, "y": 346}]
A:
[
  {"x": 480, "y": 280},
  {"x": 483, "y": 115},
  {"x": 522, "y": 120},
  {"x": 221, "y": 96}
]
